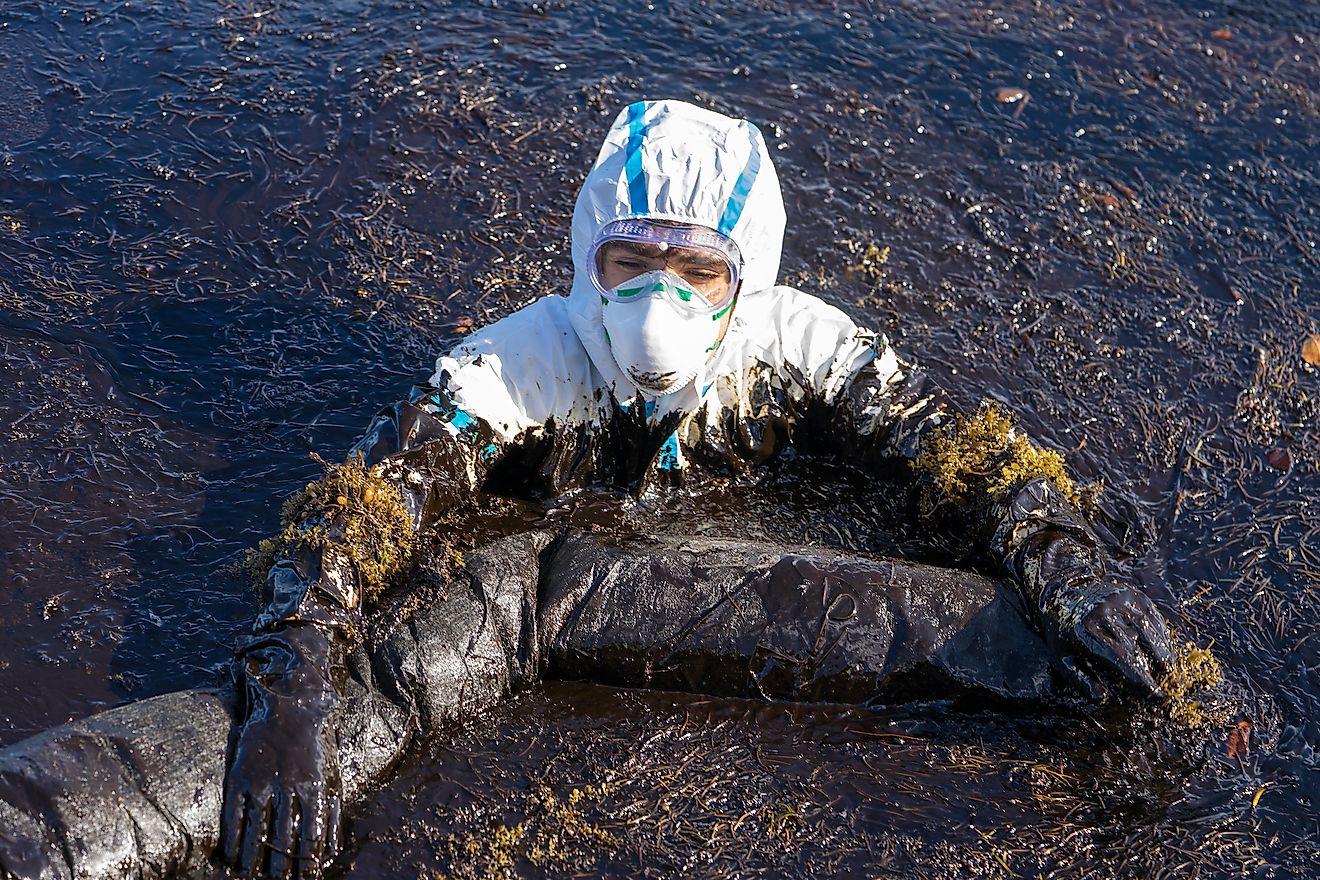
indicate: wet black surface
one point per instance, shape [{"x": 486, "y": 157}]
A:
[{"x": 229, "y": 230}]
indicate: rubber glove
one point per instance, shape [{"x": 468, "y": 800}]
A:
[
  {"x": 282, "y": 791},
  {"x": 1099, "y": 628},
  {"x": 283, "y": 787}
]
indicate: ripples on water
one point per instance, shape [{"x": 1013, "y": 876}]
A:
[{"x": 229, "y": 230}]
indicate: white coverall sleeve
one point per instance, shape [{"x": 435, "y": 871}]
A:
[
  {"x": 827, "y": 347},
  {"x": 517, "y": 373}
]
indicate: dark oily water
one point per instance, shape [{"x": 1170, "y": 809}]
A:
[{"x": 230, "y": 230}]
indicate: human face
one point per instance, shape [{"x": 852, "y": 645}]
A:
[
  {"x": 704, "y": 263},
  {"x": 707, "y": 273}
]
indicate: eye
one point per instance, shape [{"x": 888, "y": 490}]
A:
[
  {"x": 704, "y": 276},
  {"x": 629, "y": 263}
]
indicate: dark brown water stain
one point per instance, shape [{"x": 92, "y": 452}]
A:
[
  {"x": 258, "y": 224},
  {"x": 675, "y": 784}
]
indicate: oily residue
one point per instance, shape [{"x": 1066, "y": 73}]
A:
[
  {"x": 230, "y": 231},
  {"x": 740, "y": 788}
]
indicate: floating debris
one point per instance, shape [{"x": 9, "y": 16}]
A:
[
  {"x": 1013, "y": 96},
  {"x": 870, "y": 266},
  {"x": 1311, "y": 350},
  {"x": 1239, "y": 740}
]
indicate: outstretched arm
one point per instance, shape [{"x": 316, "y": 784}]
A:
[
  {"x": 1013, "y": 502},
  {"x": 346, "y": 539}
]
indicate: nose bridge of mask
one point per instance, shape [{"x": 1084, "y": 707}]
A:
[{"x": 657, "y": 282}]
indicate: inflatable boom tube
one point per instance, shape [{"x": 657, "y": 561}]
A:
[{"x": 135, "y": 792}]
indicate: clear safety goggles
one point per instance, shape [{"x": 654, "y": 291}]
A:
[{"x": 707, "y": 262}]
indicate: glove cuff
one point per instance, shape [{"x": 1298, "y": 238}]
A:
[
  {"x": 1037, "y": 506},
  {"x": 1066, "y": 603},
  {"x": 1051, "y": 552},
  {"x": 321, "y": 589},
  {"x": 294, "y": 668}
]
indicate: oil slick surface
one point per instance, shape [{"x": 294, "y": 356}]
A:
[{"x": 230, "y": 231}]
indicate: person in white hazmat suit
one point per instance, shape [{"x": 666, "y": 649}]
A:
[{"x": 675, "y": 355}]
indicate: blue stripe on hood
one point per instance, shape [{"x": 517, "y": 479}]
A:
[
  {"x": 637, "y": 196},
  {"x": 734, "y": 208}
]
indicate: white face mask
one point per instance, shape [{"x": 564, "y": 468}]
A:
[{"x": 657, "y": 343}]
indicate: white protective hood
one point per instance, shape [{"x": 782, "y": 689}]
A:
[{"x": 669, "y": 160}]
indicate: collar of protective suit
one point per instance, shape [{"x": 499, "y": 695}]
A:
[{"x": 669, "y": 160}]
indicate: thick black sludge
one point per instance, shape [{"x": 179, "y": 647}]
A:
[
  {"x": 135, "y": 792},
  {"x": 230, "y": 230}
]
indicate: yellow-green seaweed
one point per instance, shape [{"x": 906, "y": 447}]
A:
[
  {"x": 980, "y": 458},
  {"x": 354, "y": 510},
  {"x": 871, "y": 261},
  {"x": 1194, "y": 672},
  {"x": 555, "y": 835}
]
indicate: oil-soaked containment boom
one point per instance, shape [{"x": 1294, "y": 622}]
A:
[{"x": 136, "y": 791}]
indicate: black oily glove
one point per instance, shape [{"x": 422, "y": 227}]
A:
[
  {"x": 1097, "y": 627},
  {"x": 282, "y": 791}
]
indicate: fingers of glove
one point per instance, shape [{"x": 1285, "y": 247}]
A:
[
  {"x": 281, "y": 836},
  {"x": 231, "y": 822},
  {"x": 1151, "y": 650},
  {"x": 1137, "y": 669},
  {"x": 1106, "y": 637},
  {"x": 1112, "y": 639},
  {"x": 1159, "y": 646},
  {"x": 256, "y": 820},
  {"x": 313, "y": 836},
  {"x": 333, "y": 828},
  {"x": 1155, "y": 639}
]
